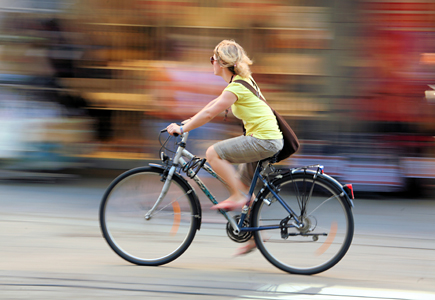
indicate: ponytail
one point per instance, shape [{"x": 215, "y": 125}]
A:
[{"x": 232, "y": 56}]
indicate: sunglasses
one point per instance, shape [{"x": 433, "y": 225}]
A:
[{"x": 212, "y": 60}]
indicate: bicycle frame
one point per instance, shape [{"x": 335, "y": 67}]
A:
[{"x": 258, "y": 175}]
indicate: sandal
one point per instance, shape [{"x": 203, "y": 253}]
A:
[
  {"x": 248, "y": 248},
  {"x": 228, "y": 205}
]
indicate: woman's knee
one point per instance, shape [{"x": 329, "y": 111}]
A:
[{"x": 211, "y": 154}]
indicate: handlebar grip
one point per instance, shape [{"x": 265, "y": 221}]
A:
[{"x": 166, "y": 130}]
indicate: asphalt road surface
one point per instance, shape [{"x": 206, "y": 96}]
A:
[{"x": 51, "y": 248}]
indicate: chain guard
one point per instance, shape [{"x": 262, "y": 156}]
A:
[{"x": 244, "y": 236}]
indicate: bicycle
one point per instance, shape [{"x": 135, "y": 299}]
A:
[{"x": 301, "y": 218}]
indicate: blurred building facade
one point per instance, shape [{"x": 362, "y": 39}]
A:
[{"x": 349, "y": 76}]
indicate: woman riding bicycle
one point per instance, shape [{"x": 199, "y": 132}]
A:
[
  {"x": 263, "y": 138},
  {"x": 301, "y": 222}
]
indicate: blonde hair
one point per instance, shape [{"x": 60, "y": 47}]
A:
[{"x": 231, "y": 55}]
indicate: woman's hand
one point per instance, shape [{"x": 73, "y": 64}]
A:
[{"x": 173, "y": 128}]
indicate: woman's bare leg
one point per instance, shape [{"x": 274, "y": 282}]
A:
[
  {"x": 229, "y": 174},
  {"x": 250, "y": 245}
]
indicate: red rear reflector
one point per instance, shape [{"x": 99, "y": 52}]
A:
[{"x": 350, "y": 188}]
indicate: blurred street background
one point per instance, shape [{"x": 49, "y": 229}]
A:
[{"x": 89, "y": 84}]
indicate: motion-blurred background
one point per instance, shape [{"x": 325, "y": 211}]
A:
[{"x": 89, "y": 83}]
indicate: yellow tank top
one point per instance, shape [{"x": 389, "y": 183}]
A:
[{"x": 257, "y": 117}]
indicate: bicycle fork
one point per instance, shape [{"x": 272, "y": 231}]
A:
[
  {"x": 168, "y": 180},
  {"x": 163, "y": 193}
]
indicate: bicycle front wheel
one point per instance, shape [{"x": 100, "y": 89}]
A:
[
  {"x": 163, "y": 237},
  {"x": 327, "y": 218}
]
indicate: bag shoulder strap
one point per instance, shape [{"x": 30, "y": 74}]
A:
[{"x": 252, "y": 89}]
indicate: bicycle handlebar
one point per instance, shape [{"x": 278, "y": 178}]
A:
[{"x": 166, "y": 130}]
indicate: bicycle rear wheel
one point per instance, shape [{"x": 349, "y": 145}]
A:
[
  {"x": 160, "y": 239},
  {"x": 327, "y": 218}
]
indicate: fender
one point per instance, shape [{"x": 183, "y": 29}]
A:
[
  {"x": 340, "y": 186},
  {"x": 197, "y": 208},
  {"x": 326, "y": 177}
]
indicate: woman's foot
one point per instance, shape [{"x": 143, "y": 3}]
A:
[
  {"x": 248, "y": 248},
  {"x": 232, "y": 203}
]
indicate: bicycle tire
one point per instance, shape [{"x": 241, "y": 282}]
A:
[
  {"x": 327, "y": 236},
  {"x": 164, "y": 237}
]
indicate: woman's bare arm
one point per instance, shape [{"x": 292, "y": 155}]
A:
[{"x": 208, "y": 113}]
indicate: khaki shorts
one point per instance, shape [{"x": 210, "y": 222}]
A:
[{"x": 247, "y": 150}]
